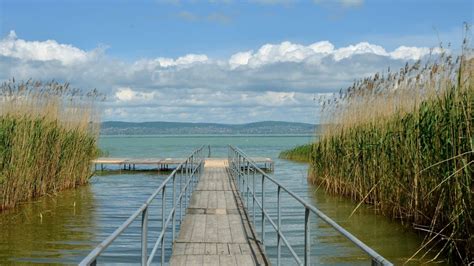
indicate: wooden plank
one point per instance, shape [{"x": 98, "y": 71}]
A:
[
  {"x": 211, "y": 249},
  {"x": 244, "y": 260},
  {"x": 194, "y": 260},
  {"x": 211, "y": 228},
  {"x": 212, "y": 232},
  {"x": 189, "y": 249},
  {"x": 203, "y": 199},
  {"x": 236, "y": 229},
  {"x": 221, "y": 201},
  {"x": 212, "y": 260},
  {"x": 178, "y": 260},
  {"x": 193, "y": 202},
  {"x": 179, "y": 248},
  {"x": 200, "y": 185},
  {"x": 222, "y": 249},
  {"x": 229, "y": 200},
  {"x": 225, "y": 183},
  {"x": 227, "y": 260},
  {"x": 234, "y": 249},
  {"x": 199, "y": 249},
  {"x": 245, "y": 249},
  {"x": 199, "y": 228},
  {"x": 223, "y": 229},
  {"x": 212, "y": 200},
  {"x": 186, "y": 229}
]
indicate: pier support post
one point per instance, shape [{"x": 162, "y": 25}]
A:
[{"x": 307, "y": 237}]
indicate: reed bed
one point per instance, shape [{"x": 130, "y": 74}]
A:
[
  {"x": 403, "y": 142},
  {"x": 300, "y": 153},
  {"x": 48, "y": 134}
]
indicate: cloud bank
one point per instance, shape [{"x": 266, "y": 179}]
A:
[{"x": 274, "y": 82}]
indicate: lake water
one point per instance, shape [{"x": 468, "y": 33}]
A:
[{"x": 63, "y": 228}]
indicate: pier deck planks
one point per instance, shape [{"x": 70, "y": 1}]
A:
[{"x": 215, "y": 230}]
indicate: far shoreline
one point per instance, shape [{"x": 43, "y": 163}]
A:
[{"x": 207, "y": 135}]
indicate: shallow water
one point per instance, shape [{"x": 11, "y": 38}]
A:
[{"x": 63, "y": 228}]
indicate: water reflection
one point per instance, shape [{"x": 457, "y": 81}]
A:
[
  {"x": 52, "y": 229},
  {"x": 389, "y": 238}
]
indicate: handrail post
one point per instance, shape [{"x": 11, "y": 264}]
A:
[
  {"x": 144, "y": 235},
  {"x": 254, "y": 198},
  {"x": 279, "y": 226},
  {"x": 242, "y": 177},
  {"x": 263, "y": 209},
  {"x": 186, "y": 187},
  {"x": 307, "y": 237},
  {"x": 247, "y": 187},
  {"x": 163, "y": 228},
  {"x": 174, "y": 206},
  {"x": 238, "y": 171},
  {"x": 191, "y": 175},
  {"x": 181, "y": 196}
]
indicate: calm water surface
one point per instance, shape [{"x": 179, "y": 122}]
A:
[{"x": 63, "y": 228}]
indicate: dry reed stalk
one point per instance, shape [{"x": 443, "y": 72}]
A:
[
  {"x": 48, "y": 134},
  {"x": 403, "y": 142}
]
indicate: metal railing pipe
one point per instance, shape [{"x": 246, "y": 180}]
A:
[
  {"x": 197, "y": 158},
  {"x": 144, "y": 235},
  {"x": 236, "y": 152}
]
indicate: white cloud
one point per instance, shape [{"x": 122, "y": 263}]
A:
[
  {"x": 413, "y": 53},
  {"x": 271, "y": 98},
  {"x": 11, "y": 46},
  {"x": 241, "y": 58},
  {"x": 290, "y": 52},
  {"x": 360, "y": 48},
  {"x": 129, "y": 95},
  {"x": 181, "y": 61},
  {"x": 272, "y": 82}
]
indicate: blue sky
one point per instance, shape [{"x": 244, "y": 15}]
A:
[{"x": 134, "y": 35}]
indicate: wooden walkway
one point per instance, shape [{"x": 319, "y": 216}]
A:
[
  {"x": 163, "y": 163},
  {"x": 215, "y": 230}
]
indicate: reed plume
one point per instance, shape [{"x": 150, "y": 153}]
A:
[{"x": 403, "y": 142}]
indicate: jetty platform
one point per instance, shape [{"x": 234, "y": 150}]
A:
[
  {"x": 217, "y": 196},
  {"x": 215, "y": 229},
  {"x": 162, "y": 164}
]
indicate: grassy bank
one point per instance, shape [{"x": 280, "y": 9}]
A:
[
  {"x": 403, "y": 142},
  {"x": 48, "y": 136},
  {"x": 300, "y": 153}
]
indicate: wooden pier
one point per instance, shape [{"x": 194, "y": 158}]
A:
[
  {"x": 162, "y": 163},
  {"x": 215, "y": 230}
]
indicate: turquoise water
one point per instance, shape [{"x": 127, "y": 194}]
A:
[{"x": 63, "y": 228}]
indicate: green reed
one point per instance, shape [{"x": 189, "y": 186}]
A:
[
  {"x": 300, "y": 153},
  {"x": 48, "y": 135},
  {"x": 403, "y": 142}
]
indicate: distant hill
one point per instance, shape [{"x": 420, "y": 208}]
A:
[{"x": 177, "y": 128}]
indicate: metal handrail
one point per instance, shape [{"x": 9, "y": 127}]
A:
[
  {"x": 191, "y": 170},
  {"x": 241, "y": 165}
]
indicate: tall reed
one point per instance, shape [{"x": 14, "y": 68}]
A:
[
  {"x": 301, "y": 153},
  {"x": 403, "y": 142},
  {"x": 48, "y": 135}
]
